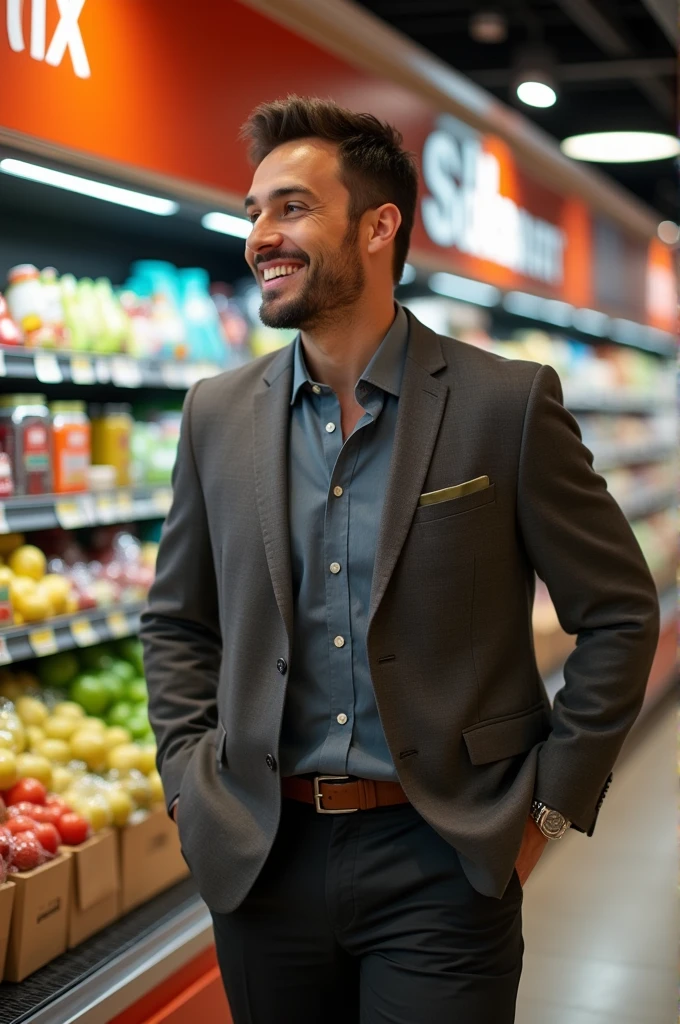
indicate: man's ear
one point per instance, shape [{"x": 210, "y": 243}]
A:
[{"x": 382, "y": 227}]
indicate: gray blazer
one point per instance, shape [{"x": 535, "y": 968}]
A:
[{"x": 465, "y": 713}]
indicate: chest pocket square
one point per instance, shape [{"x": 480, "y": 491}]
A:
[{"x": 457, "y": 491}]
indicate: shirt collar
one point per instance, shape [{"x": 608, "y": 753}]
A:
[{"x": 386, "y": 368}]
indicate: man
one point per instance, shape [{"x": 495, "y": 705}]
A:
[{"x": 344, "y": 589}]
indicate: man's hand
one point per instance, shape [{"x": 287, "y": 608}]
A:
[{"x": 533, "y": 845}]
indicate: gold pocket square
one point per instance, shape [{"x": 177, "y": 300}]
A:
[{"x": 457, "y": 491}]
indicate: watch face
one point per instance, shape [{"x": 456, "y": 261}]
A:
[{"x": 553, "y": 822}]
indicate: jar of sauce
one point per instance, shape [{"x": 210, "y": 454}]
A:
[
  {"x": 111, "y": 436},
  {"x": 26, "y": 438},
  {"x": 72, "y": 445}
]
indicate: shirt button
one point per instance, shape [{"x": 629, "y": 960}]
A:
[
  {"x": 342, "y": 719},
  {"x": 330, "y": 427},
  {"x": 337, "y": 491},
  {"x": 339, "y": 641},
  {"x": 282, "y": 665},
  {"x": 316, "y": 389},
  {"x": 335, "y": 567},
  {"x": 270, "y": 762}
]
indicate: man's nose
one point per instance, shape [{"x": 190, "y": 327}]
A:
[{"x": 264, "y": 236}]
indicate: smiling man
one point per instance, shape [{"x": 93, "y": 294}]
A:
[{"x": 352, "y": 732}]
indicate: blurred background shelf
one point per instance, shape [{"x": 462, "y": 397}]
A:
[
  {"x": 68, "y": 632},
  {"x": 71, "y": 512}
]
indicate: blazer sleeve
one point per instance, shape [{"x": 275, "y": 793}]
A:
[
  {"x": 582, "y": 546},
  {"x": 180, "y": 626}
]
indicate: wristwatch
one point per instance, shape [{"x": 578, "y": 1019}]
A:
[{"x": 551, "y": 823}]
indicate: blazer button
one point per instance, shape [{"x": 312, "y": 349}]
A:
[
  {"x": 271, "y": 763},
  {"x": 282, "y": 666}
]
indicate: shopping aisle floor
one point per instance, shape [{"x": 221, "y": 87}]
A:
[{"x": 601, "y": 914}]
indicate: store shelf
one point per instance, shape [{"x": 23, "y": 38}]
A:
[
  {"x": 615, "y": 401},
  {"x": 88, "y": 369},
  {"x": 72, "y": 511},
  {"x": 613, "y": 456},
  {"x": 67, "y": 632},
  {"x": 646, "y": 502}
]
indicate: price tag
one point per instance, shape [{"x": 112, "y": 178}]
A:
[
  {"x": 82, "y": 370},
  {"x": 47, "y": 369},
  {"x": 117, "y": 624},
  {"x": 89, "y": 509},
  {"x": 106, "y": 509},
  {"x": 5, "y": 656},
  {"x": 70, "y": 515},
  {"x": 102, "y": 368},
  {"x": 43, "y": 642},
  {"x": 126, "y": 506},
  {"x": 4, "y": 525},
  {"x": 84, "y": 633},
  {"x": 162, "y": 500},
  {"x": 126, "y": 373}
]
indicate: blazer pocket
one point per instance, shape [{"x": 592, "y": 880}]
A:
[
  {"x": 221, "y": 746},
  {"x": 455, "y": 506},
  {"x": 498, "y": 738}
]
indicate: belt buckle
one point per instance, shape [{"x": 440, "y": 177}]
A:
[{"x": 318, "y": 796}]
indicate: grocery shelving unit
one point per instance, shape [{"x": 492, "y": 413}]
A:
[
  {"x": 74, "y": 511},
  {"x": 68, "y": 632}
]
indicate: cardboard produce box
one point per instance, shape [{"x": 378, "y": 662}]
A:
[
  {"x": 150, "y": 858},
  {"x": 95, "y": 886},
  {"x": 6, "y": 904},
  {"x": 39, "y": 918}
]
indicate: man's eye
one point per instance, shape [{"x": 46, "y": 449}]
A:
[
  {"x": 294, "y": 207},
  {"x": 253, "y": 217}
]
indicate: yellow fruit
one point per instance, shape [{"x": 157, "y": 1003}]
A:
[
  {"x": 20, "y": 585},
  {"x": 29, "y": 600},
  {"x": 71, "y": 605},
  {"x": 6, "y": 739},
  {"x": 116, "y": 735},
  {"x": 124, "y": 758},
  {"x": 157, "y": 795},
  {"x": 55, "y": 750},
  {"x": 97, "y": 811},
  {"x": 61, "y": 727},
  {"x": 139, "y": 789},
  {"x": 147, "y": 759},
  {"x": 34, "y": 736},
  {"x": 58, "y": 589},
  {"x": 6, "y": 576},
  {"x": 88, "y": 745},
  {"x": 18, "y": 619},
  {"x": 28, "y": 560},
  {"x": 95, "y": 724},
  {"x": 8, "y": 768},
  {"x": 34, "y": 766},
  {"x": 62, "y": 778},
  {"x": 11, "y": 723},
  {"x": 31, "y": 711},
  {"x": 120, "y": 804},
  {"x": 68, "y": 709},
  {"x": 9, "y": 542}
]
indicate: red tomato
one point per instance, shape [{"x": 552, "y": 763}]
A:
[
  {"x": 73, "y": 829},
  {"x": 48, "y": 815},
  {"x": 26, "y": 789},
  {"x": 56, "y": 801},
  {"x": 21, "y": 823},
  {"x": 47, "y": 836},
  {"x": 22, "y": 808},
  {"x": 28, "y": 853},
  {"x": 6, "y": 844},
  {"x": 3, "y": 810}
]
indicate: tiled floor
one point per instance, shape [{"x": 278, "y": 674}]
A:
[{"x": 601, "y": 914}]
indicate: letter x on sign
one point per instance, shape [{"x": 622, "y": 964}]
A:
[{"x": 67, "y": 34}]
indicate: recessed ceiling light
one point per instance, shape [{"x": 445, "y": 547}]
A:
[
  {"x": 88, "y": 187},
  {"x": 668, "y": 231},
  {"x": 488, "y": 27},
  {"x": 621, "y": 147},
  {"x": 227, "y": 224},
  {"x": 536, "y": 94}
]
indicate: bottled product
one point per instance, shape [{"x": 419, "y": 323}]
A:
[
  {"x": 111, "y": 435},
  {"x": 25, "y": 437},
  {"x": 24, "y": 298},
  {"x": 71, "y": 446},
  {"x": 203, "y": 329},
  {"x": 9, "y": 332},
  {"x": 54, "y": 332}
]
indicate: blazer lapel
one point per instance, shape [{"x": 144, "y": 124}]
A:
[
  {"x": 270, "y": 452},
  {"x": 421, "y": 406}
]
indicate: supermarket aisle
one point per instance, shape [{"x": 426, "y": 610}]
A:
[{"x": 600, "y": 914}]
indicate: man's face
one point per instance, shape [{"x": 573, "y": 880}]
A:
[{"x": 303, "y": 250}]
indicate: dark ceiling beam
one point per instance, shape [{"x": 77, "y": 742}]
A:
[
  {"x": 591, "y": 71},
  {"x": 665, "y": 13}
]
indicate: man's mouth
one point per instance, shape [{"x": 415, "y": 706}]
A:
[{"x": 273, "y": 274}]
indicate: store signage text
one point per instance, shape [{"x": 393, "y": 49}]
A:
[
  {"x": 466, "y": 210},
  {"x": 67, "y": 35}
]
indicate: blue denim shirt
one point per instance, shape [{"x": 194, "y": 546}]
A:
[{"x": 331, "y": 723}]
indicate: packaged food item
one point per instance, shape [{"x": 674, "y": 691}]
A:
[
  {"x": 111, "y": 435},
  {"x": 9, "y": 332},
  {"x": 54, "y": 322},
  {"x": 24, "y": 298},
  {"x": 26, "y": 438},
  {"x": 101, "y": 478},
  {"x": 72, "y": 447}
]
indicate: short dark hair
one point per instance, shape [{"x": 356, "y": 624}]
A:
[{"x": 374, "y": 167}]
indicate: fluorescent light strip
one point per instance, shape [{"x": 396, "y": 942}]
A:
[
  {"x": 464, "y": 289},
  {"x": 591, "y": 321},
  {"x": 88, "y": 187},
  {"x": 523, "y": 304},
  {"x": 227, "y": 224},
  {"x": 553, "y": 311}
]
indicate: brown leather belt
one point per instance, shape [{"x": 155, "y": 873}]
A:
[{"x": 338, "y": 794}]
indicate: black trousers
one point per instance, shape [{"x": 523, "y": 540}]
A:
[{"x": 368, "y": 918}]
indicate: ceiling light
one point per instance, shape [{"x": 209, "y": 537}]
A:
[
  {"x": 88, "y": 187},
  {"x": 668, "y": 231},
  {"x": 488, "y": 27},
  {"x": 536, "y": 94},
  {"x": 533, "y": 307},
  {"x": 227, "y": 224},
  {"x": 463, "y": 288},
  {"x": 409, "y": 274},
  {"x": 590, "y": 321},
  {"x": 621, "y": 147}
]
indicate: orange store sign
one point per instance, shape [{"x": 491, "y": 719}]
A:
[{"x": 67, "y": 35}]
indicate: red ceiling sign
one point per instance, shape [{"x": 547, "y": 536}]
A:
[{"x": 164, "y": 86}]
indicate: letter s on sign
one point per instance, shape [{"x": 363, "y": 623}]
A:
[{"x": 442, "y": 211}]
